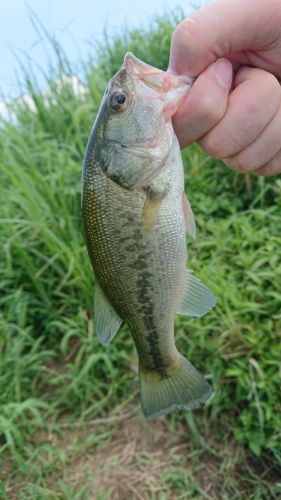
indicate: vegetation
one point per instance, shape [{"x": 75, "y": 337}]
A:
[{"x": 70, "y": 420}]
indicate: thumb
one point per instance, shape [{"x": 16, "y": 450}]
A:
[
  {"x": 205, "y": 104},
  {"x": 222, "y": 28}
]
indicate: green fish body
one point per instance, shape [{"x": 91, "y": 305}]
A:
[{"x": 135, "y": 217}]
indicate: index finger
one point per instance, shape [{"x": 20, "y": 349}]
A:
[{"x": 222, "y": 28}]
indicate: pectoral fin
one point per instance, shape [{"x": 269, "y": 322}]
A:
[
  {"x": 107, "y": 322},
  {"x": 197, "y": 298},
  {"x": 151, "y": 210},
  {"x": 188, "y": 217}
]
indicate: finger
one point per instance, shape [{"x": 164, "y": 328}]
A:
[
  {"x": 251, "y": 106},
  {"x": 262, "y": 150},
  {"x": 271, "y": 168},
  {"x": 205, "y": 104},
  {"x": 222, "y": 28}
]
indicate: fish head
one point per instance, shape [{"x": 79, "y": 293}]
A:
[{"x": 134, "y": 122}]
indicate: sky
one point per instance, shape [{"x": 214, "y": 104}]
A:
[{"x": 74, "y": 22}]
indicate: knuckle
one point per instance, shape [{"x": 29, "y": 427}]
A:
[
  {"x": 181, "y": 31},
  {"x": 273, "y": 167},
  {"x": 272, "y": 81},
  {"x": 185, "y": 27},
  {"x": 178, "y": 32},
  {"x": 238, "y": 165},
  {"x": 272, "y": 89},
  {"x": 212, "y": 146},
  {"x": 221, "y": 143},
  {"x": 265, "y": 88},
  {"x": 266, "y": 170},
  {"x": 229, "y": 142},
  {"x": 247, "y": 161}
]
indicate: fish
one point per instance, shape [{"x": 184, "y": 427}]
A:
[{"x": 135, "y": 218}]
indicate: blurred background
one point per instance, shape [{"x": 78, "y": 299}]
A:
[{"x": 70, "y": 420}]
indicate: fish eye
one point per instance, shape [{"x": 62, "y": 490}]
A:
[{"x": 118, "y": 100}]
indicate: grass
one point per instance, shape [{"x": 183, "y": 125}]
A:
[{"x": 70, "y": 421}]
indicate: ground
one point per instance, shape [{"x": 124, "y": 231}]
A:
[{"x": 126, "y": 457}]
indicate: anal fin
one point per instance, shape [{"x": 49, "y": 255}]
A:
[
  {"x": 107, "y": 322},
  {"x": 197, "y": 299}
]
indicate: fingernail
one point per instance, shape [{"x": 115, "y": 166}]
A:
[{"x": 223, "y": 72}]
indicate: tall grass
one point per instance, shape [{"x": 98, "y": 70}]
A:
[{"x": 51, "y": 365}]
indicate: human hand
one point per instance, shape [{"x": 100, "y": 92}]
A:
[{"x": 237, "y": 119}]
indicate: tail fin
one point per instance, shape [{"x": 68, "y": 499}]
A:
[{"x": 182, "y": 387}]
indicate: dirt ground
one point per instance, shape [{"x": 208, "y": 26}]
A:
[{"x": 126, "y": 457}]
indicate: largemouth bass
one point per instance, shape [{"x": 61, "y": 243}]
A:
[{"x": 135, "y": 218}]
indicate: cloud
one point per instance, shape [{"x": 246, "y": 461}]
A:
[{"x": 4, "y": 111}]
